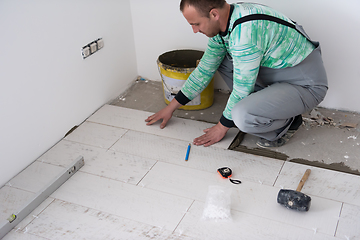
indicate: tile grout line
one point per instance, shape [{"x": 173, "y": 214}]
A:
[
  {"x": 146, "y": 174},
  {"x": 31, "y": 234},
  {"x": 337, "y": 224},
  {"x": 108, "y": 149},
  {"x": 35, "y": 217},
  {"x": 104, "y": 124},
  {"x": 187, "y": 210},
  {"x": 21, "y": 189},
  {"x": 343, "y": 201},
  {"x": 282, "y": 166},
  {"x": 94, "y": 209},
  {"x": 282, "y": 222},
  {"x": 110, "y": 213},
  {"x": 85, "y": 144},
  {"x": 107, "y": 124}
]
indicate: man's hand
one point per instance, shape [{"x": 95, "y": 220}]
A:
[
  {"x": 165, "y": 114},
  {"x": 212, "y": 135}
]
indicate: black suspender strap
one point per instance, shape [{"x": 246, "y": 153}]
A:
[{"x": 253, "y": 17}]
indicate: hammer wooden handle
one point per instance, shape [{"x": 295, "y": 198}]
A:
[{"x": 303, "y": 180}]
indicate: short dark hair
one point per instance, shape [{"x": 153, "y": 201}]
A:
[{"x": 202, "y": 6}]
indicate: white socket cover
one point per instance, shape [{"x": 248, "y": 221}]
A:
[
  {"x": 93, "y": 47},
  {"x": 100, "y": 43},
  {"x": 85, "y": 52}
]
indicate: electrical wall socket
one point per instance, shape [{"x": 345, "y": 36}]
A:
[
  {"x": 92, "y": 47},
  {"x": 85, "y": 52},
  {"x": 100, "y": 43}
]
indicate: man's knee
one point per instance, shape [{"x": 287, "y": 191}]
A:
[
  {"x": 241, "y": 116},
  {"x": 248, "y": 121}
]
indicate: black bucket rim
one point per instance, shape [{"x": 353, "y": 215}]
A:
[{"x": 166, "y": 66}]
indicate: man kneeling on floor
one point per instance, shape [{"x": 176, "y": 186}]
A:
[{"x": 273, "y": 69}]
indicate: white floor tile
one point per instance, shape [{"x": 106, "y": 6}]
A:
[
  {"x": 182, "y": 181},
  {"x": 36, "y": 176},
  {"x": 62, "y": 220},
  {"x": 66, "y": 152},
  {"x": 126, "y": 200},
  {"x": 322, "y": 182},
  {"x": 20, "y": 235},
  {"x": 34, "y": 214},
  {"x": 261, "y": 201},
  {"x": 244, "y": 166},
  {"x": 119, "y": 166},
  {"x": 228, "y": 139},
  {"x": 349, "y": 223},
  {"x": 248, "y": 197},
  {"x": 11, "y": 199},
  {"x": 152, "y": 146},
  {"x": 97, "y": 135},
  {"x": 178, "y": 128},
  {"x": 242, "y": 226}
]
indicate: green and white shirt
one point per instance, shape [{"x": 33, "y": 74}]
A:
[{"x": 251, "y": 45}]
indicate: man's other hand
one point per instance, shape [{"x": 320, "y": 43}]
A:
[{"x": 212, "y": 135}]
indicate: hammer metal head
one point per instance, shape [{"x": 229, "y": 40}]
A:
[{"x": 294, "y": 200}]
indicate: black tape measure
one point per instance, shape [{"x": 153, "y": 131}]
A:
[{"x": 226, "y": 172}]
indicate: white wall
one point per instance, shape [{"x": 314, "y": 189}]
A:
[
  {"x": 160, "y": 27},
  {"x": 46, "y": 86}
]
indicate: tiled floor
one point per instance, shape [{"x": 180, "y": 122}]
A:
[
  {"x": 331, "y": 146},
  {"x": 136, "y": 185}
]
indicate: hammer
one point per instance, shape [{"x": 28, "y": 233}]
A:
[{"x": 295, "y": 199}]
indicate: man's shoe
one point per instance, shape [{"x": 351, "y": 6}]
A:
[
  {"x": 277, "y": 143},
  {"x": 285, "y": 138}
]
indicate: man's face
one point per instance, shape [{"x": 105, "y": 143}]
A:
[{"x": 205, "y": 25}]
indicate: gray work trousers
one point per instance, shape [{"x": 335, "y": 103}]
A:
[{"x": 279, "y": 95}]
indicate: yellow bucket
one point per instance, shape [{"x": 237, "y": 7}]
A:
[{"x": 175, "y": 68}]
